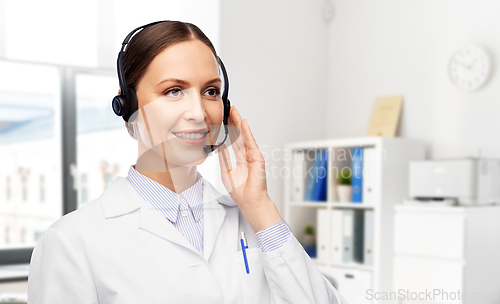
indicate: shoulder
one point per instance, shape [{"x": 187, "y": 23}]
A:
[
  {"x": 64, "y": 242},
  {"x": 79, "y": 220},
  {"x": 119, "y": 198}
]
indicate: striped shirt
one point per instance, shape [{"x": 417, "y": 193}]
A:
[{"x": 185, "y": 211}]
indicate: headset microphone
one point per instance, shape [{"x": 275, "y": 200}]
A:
[
  {"x": 211, "y": 148},
  {"x": 227, "y": 108}
]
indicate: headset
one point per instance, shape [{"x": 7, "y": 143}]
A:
[{"x": 126, "y": 105}]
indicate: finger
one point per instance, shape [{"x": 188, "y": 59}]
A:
[
  {"x": 231, "y": 113},
  {"x": 235, "y": 120},
  {"x": 225, "y": 166},
  {"x": 235, "y": 115},
  {"x": 233, "y": 129},
  {"x": 224, "y": 159},
  {"x": 253, "y": 151},
  {"x": 236, "y": 141},
  {"x": 231, "y": 126}
]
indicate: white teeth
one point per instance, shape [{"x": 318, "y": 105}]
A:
[{"x": 190, "y": 135}]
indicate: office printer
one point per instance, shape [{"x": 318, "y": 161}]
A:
[{"x": 471, "y": 181}]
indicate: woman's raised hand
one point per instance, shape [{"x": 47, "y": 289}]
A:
[{"x": 246, "y": 183}]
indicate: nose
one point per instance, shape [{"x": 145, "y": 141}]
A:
[{"x": 195, "y": 110}]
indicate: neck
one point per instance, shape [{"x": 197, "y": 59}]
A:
[{"x": 152, "y": 164}]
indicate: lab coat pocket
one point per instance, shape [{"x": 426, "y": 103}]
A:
[{"x": 254, "y": 288}]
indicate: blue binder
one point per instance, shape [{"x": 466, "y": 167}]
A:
[
  {"x": 321, "y": 171},
  {"x": 311, "y": 183},
  {"x": 357, "y": 175}
]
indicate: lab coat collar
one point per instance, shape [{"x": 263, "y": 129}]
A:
[{"x": 120, "y": 198}]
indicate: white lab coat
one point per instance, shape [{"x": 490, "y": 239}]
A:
[{"x": 119, "y": 249}]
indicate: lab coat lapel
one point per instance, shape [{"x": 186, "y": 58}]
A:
[
  {"x": 214, "y": 209},
  {"x": 120, "y": 198}
]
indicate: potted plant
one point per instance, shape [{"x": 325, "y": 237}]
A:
[
  {"x": 344, "y": 184},
  {"x": 309, "y": 241}
]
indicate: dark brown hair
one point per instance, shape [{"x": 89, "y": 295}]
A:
[{"x": 151, "y": 41}]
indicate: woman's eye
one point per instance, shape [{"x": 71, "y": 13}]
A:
[
  {"x": 176, "y": 92},
  {"x": 213, "y": 92}
]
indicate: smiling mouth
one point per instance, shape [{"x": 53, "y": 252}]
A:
[{"x": 190, "y": 135}]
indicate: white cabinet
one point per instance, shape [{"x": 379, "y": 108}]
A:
[
  {"x": 385, "y": 184},
  {"x": 428, "y": 234},
  {"x": 447, "y": 254}
]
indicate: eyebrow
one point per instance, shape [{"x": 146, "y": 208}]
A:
[{"x": 183, "y": 82}]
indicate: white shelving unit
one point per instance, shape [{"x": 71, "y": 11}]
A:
[{"x": 393, "y": 155}]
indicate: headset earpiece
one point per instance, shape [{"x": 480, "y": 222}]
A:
[
  {"x": 120, "y": 106},
  {"x": 132, "y": 105}
]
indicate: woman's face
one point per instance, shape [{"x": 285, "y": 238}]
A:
[{"x": 180, "y": 105}]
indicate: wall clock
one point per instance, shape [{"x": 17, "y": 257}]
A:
[{"x": 469, "y": 68}]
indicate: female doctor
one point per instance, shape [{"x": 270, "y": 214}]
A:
[{"x": 163, "y": 234}]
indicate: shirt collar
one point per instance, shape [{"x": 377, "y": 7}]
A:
[{"x": 165, "y": 200}]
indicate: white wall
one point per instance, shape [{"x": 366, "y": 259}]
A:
[
  {"x": 387, "y": 47},
  {"x": 275, "y": 54}
]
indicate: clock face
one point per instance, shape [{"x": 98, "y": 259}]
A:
[{"x": 469, "y": 68}]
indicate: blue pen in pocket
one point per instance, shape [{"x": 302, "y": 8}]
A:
[{"x": 244, "y": 245}]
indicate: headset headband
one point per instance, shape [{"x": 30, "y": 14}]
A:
[{"x": 121, "y": 74}]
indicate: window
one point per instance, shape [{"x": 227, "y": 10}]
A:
[
  {"x": 24, "y": 183},
  {"x": 23, "y": 235},
  {"x": 42, "y": 188},
  {"x": 84, "y": 196},
  {"x": 37, "y": 235},
  {"x": 7, "y": 189},
  {"x": 104, "y": 147},
  {"x": 108, "y": 178},
  {"x": 30, "y": 145},
  {"x": 7, "y": 235}
]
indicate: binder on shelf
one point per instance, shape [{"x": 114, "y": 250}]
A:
[
  {"x": 369, "y": 176},
  {"x": 298, "y": 176},
  {"x": 323, "y": 234},
  {"x": 358, "y": 236},
  {"x": 368, "y": 238},
  {"x": 321, "y": 177},
  {"x": 357, "y": 175},
  {"x": 347, "y": 235},
  {"x": 311, "y": 179},
  {"x": 337, "y": 235}
]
